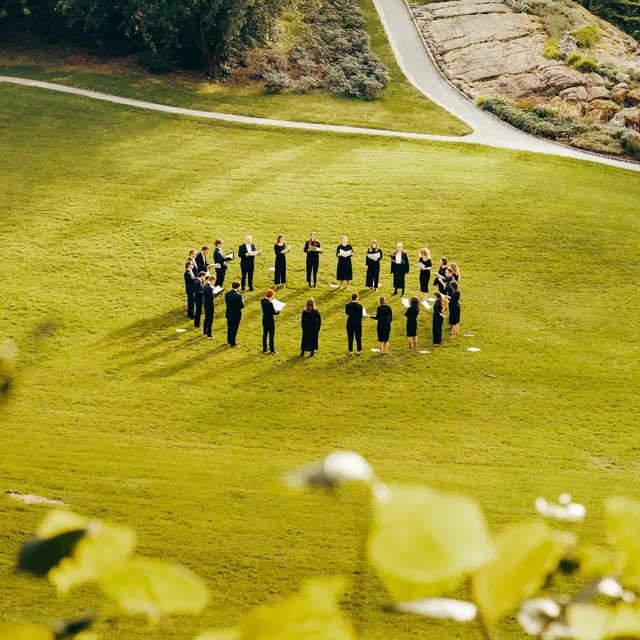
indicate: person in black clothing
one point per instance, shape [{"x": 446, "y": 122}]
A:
[
  {"x": 268, "y": 322},
  {"x": 372, "y": 265},
  {"x": 444, "y": 281},
  {"x": 454, "y": 309},
  {"x": 425, "y": 272},
  {"x": 208, "y": 298},
  {"x": 354, "y": 311},
  {"x": 192, "y": 256},
  {"x": 438, "y": 318},
  {"x": 247, "y": 253},
  {"x": 441, "y": 271},
  {"x": 235, "y": 304},
  {"x": 201, "y": 260},
  {"x": 344, "y": 272},
  {"x": 311, "y": 323},
  {"x": 189, "y": 279},
  {"x": 197, "y": 298},
  {"x": 280, "y": 249},
  {"x": 219, "y": 262},
  {"x": 312, "y": 249},
  {"x": 399, "y": 268},
  {"x": 384, "y": 316},
  {"x": 411, "y": 314}
]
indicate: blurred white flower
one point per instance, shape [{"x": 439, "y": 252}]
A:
[
  {"x": 569, "y": 511},
  {"x": 538, "y": 614},
  {"x": 337, "y": 468},
  {"x": 564, "y": 499},
  {"x": 439, "y": 608},
  {"x": 612, "y": 588}
]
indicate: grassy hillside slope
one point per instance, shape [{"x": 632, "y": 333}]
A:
[
  {"x": 402, "y": 107},
  {"x": 123, "y": 418}
]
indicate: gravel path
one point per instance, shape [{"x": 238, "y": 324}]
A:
[{"x": 419, "y": 68}]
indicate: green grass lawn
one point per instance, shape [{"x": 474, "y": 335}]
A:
[
  {"x": 180, "y": 438},
  {"x": 401, "y": 107}
]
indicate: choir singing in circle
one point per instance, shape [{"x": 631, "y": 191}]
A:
[{"x": 204, "y": 282}]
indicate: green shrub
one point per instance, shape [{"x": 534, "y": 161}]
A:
[
  {"x": 545, "y": 111},
  {"x": 531, "y": 122},
  {"x": 631, "y": 143},
  {"x": 574, "y": 59},
  {"x": 587, "y": 36},
  {"x": 276, "y": 81},
  {"x": 587, "y": 65},
  {"x": 598, "y": 141},
  {"x": 551, "y": 50}
]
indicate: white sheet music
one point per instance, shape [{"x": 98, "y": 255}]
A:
[
  {"x": 375, "y": 256},
  {"x": 344, "y": 254},
  {"x": 277, "y": 305},
  {"x": 405, "y": 302}
]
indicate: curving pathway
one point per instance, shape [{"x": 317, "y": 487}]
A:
[{"x": 415, "y": 61}]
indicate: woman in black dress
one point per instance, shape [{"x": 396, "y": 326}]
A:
[
  {"x": 411, "y": 314},
  {"x": 441, "y": 271},
  {"x": 456, "y": 272},
  {"x": 384, "y": 316},
  {"x": 399, "y": 268},
  {"x": 280, "y": 249},
  {"x": 311, "y": 322},
  {"x": 425, "y": 272},
  {"x": 344, "y": 272},
  {"x": 312, "y": 249},
  {"x": 438, "y": 318},
  {"x": 454, "y": 309},
  {"x": 372, "y": 265}
]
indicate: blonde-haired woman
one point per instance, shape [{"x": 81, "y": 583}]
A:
[
  {"x": 280, "y": 274},
  {"x": 455, "y": 271},
  {"x": 311, "y": 323},
  {"x": 372, "y": 265},
  {"x": 384, "y": 316},
  {"x": 425, "y": 272},
  {"x": 344, "y": 271}
]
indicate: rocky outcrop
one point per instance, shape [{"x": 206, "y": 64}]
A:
[{"x": 487, "y": 49}]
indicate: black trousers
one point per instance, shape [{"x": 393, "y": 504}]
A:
[
  {"x": 198, "y": 313},
  {"x": 208, "y": 321},
  {"x": 220, "y": 274},
  {"x": 190, "y": 301},
  {"x": 268, "y": 330},
  {"x": 247, "y": 273},
  {"x": 437, "y": 330},
  {"x": 232, "y": 331},
  {"x": 354, "y": 331},
  {"x": 312, "y": 268}
]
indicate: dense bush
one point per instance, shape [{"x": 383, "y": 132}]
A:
[
  {"x": 531, "y": 122},
  {"x": 631, "y": 143},
  {"x": 552, "y": 51},
  {"x": 598, "y": 141},
  {"x": 586, "y": 36},
  {"x": 587, "y": 65},
  {"x": 276, "y": 81},
  {"x": 573, "y": 59},
  {"x": 334, "y": 52}
]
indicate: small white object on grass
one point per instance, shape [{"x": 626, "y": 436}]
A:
[
  {"x": 474, "y": 349},
  {"x": 405, "y": 302},
  {"x": 334, "y": 286},
  {"x": 181, "y": 330},
  {"x": 572, "y": 512},
  {"x": 337, "y": 468},
  {"x": 375, "y": 350},
  {"x": 425, "y": 304},
  {"x": 423, "y": 352},
  {"x": 445, "y": 608},
  {"x": 431, "y": 299},
  {"x": 31, "y": 499},
  {"x": 271, "y": 268}
]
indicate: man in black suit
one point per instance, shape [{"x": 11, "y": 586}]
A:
[
  {"x": 233, "y": 313},
  {"x": 189, "y": 279},
  {"x": 197, "y": 298},
  {"x": 201, "y": 260},
  {"x": 220, "y": 263},
  {"x": 247, "y": 262},
  {"x": 268, "y": 322},
  {"x": 353, "y": 310},
  {"x": 209, "y": 304}
]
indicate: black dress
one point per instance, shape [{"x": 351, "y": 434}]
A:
[
  {"x": 345, "y": 268},
  {"x": 441, "y": 287},
  {"x": 280, "y": 275},
  {"x": 373, "y": 268},
  {"x": 311, "y": 323},
  {"x": 384, "y": 316},
  {"x": 425, "y": 275},
  {"x": 399, "y": 270},
  {"x": 411, "y": 314},
  {"x": 437, "y": 322},
  {"x": 454, "y": 308},
  {"x": 313, "y": 260}
]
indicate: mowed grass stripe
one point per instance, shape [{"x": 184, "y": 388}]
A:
[{"x": 181, "y": 439}]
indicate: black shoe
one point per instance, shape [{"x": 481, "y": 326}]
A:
[
  {"x": 264, "y": 351},
  {"x": 242, "y": 289},
  {"x": 311, "y": 354},
  {"x": 273, "y": 352},
  {"x": 250, "y": 288},
  {"x": 395, "y": 293},
  {"x": 302, "y": 354}
]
